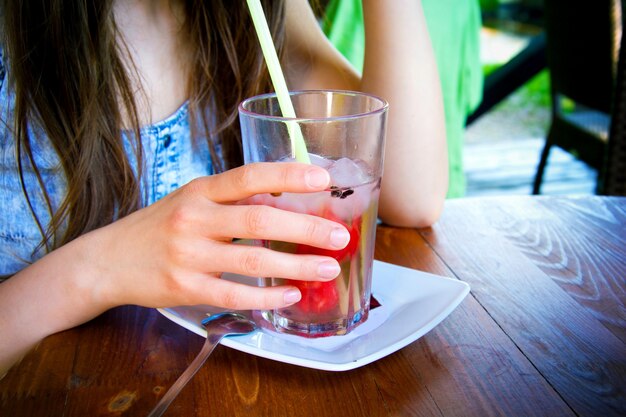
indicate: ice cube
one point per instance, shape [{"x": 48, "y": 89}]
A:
[
  {"x": 320, "y": 161},
  {"x": 345, "y": 172}
]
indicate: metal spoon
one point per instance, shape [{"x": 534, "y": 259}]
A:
[{"x": 217, "y": 326}]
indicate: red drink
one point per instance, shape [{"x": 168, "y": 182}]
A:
[{"x": 337, "y": 306}]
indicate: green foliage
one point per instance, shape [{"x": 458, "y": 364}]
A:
[
  {"x": 537, "y": 90},
  {"x": 535, "y": 93},
  {"x": 489, "y": 5},
  {"x": 489, "y": 68}
]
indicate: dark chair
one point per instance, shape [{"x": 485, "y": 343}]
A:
[
  {"x": 512, "y": 75},
  {"x": 581, "y": 45},
  {"x": 613, "y": 178},
  {"x": 521, "y": 68}
]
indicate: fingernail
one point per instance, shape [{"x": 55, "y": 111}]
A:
[
  {"x": 328, "y": 269},
  {"x": 316, "y": 178},
  {"x": 339, "y": 237},
  {"x": 291, "y": 296}
]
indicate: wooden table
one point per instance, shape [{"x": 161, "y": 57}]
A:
[{"x": 543, "y": 332}]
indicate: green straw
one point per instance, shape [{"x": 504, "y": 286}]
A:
[{"x": 298, "y": 147}]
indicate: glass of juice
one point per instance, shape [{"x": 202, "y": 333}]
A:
[{"x": 344, "y": 132}]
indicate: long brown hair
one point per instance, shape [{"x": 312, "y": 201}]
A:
[{"x": 69, "y": 79}]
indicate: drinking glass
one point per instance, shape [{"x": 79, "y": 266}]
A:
[{"x": 344, "y": 132}]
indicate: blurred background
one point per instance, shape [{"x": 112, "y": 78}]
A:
[
  {"x": 504, "y": 144},
  {"x": 528, "y": 86}
]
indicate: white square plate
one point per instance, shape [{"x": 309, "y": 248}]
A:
[{"x": 412, "y": 303}]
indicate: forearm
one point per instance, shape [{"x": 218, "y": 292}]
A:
[
  {"x": 400, "y": 66},
  {"x": 51, "y": 295},
  {"x": 173, "y": 253}
]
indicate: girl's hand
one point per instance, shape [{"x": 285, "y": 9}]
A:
[{"x": 174, "y": 251}]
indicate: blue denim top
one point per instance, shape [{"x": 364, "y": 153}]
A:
[{"x": 170, "y": 161}]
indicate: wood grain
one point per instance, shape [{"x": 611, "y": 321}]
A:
[
  {"x": 541, "y": 334},
  {"x": 571, "y": 346},
  {"x": 467, "y": 364},
  {"x": 38, "y": 385},
  {"x": 590, "y": 270}
]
